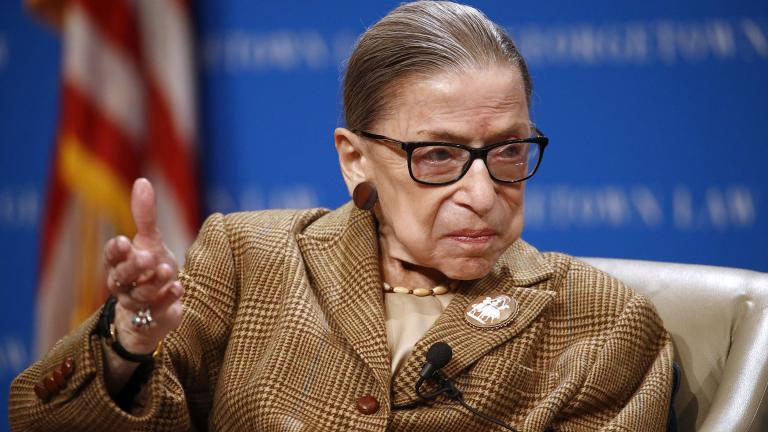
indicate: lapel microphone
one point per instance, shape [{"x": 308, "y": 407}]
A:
[{"x": 438, "y": 355}]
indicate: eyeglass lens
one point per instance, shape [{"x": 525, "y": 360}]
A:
[{"x": 442, "y": 164}]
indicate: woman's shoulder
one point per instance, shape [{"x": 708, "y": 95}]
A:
[
  {"x": 575, "y": 282},
  {"x": 527, "y": 266},
  {"x": 263, "y": 230}
]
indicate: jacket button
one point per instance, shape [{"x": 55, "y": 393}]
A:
[
  {"x": 367, "y": 404},
  {"x": 58, "y": 377},
  {"x": 41, "y": 392},
  {"x": 50, "y": 384},
  {"x": 67, "y": 366}
]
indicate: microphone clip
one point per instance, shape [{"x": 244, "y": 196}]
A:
[{"x": 443, "y": 385}]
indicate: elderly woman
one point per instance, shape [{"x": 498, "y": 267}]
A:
[{"x": 320, "y": 320}]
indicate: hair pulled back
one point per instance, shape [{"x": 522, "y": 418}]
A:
[{"x": 422, "y": 38}]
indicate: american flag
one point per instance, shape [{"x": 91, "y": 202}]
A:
[{"x": 127, "y": 110}]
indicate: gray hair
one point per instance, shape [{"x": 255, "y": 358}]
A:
[{"x": 423, "y": 38}]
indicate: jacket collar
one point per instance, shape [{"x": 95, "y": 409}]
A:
[{"x": 341, "y": 254}]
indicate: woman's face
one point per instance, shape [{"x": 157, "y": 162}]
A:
[{"x": 460, "y": 229}]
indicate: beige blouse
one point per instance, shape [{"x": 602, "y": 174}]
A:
[{"x": 408, "y": 319}]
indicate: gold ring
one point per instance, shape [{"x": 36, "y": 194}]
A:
[{"x": 121, "y": 285}]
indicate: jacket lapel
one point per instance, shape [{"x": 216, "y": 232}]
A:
[
  {"x": 340, "y": 251},
  {"x": 516, "y": 274}
]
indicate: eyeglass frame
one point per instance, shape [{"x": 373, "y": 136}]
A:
[{"x": 474, "y": 153}]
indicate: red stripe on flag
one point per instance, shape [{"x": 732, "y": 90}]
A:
[
  {"x": 185, "y": 5},
  {"x": 54, "y": 212}
]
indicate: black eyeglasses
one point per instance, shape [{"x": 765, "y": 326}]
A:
[{"x": 442, "y": 163}]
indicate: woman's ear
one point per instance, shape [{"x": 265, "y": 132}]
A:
[{"x": 352, "y": 159}]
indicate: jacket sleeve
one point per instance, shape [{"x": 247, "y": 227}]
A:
[
  {"x": 177, "y": 391},
  {"x": 629, "y": 385}
]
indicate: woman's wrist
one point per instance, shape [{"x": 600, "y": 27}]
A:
[
  {"x": 121, "y": 358},
  {"x": 127, "y": 350}
]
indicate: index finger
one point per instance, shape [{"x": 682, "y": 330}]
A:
[{"x": 144, "y": 209}]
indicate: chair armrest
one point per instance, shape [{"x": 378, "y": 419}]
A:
[{"x": 739, "y": 403}]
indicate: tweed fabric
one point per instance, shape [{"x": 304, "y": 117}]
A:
[{"x": 284, "y": 330}]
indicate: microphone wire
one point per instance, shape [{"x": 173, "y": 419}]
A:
[{"x": 460, "y": 399}]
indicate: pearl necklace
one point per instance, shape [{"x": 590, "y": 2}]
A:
[{"x": 419, "y": 292}]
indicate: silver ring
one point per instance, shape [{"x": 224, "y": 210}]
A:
[
  {"x": 121, "y": 285},
  {"x": 143, "y": 319}
]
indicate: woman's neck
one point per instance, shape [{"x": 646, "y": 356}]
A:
[{"x": 398, "y": 269}]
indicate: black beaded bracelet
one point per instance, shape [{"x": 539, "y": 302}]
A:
[{"x": 108, "y": 331}]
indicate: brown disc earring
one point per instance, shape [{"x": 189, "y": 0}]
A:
[{"x": 365, "y": 195}]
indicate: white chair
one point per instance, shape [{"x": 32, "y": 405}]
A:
[{"x": 718, "y": 319}]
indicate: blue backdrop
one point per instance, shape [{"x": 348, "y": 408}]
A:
[{"x": 657, "y": 113}]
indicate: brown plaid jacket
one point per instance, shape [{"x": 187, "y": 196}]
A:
[{"x": 284, "y": 330}]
